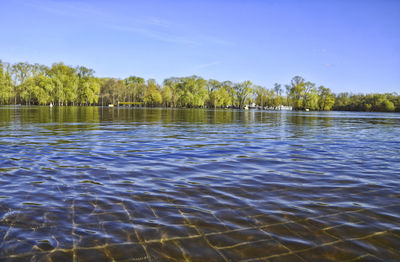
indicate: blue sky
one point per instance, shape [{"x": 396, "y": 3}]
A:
[{"x": 346, "y": 45}]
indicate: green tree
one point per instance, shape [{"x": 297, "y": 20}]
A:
[
  {"x": 191, "y": 91},
  {"x": 136, "y": 88},
  {"x": 66, "y": 83},
  {"x": 325, "y": 99},
  {"x": 173, "y": 83},
  {"x": 297, "y": 90},
  {"x": 212, "y": 87},
  {"x": 118, "y": 91},
  {"x": 166, "y": 95},
  {"x": 88, "y": 86},
  {"x": 220, "y": 98},
  {"x": 228, "y": 86},
  {"x": 387, "y": 106},
  {"x": 5, "y": 84},
  {"x": 107, "y": 91},
  {"x": 261, "y": 94},
  {"x": 288, "y": 98},
  {"x": 342, "y": 102},
  {"x": 153, "y": 93},
  {"x": 20, "y": 73},
  {"x": 43, "y": 87},
  {"x": 242, "y": 91},
  {"x": 278, "y": 99},
  {"x": 310, "y": 96}
]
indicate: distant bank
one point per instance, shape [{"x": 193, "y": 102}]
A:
[{"x": 63, "y": 85}]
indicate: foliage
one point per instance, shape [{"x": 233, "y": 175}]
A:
[
  {"x": 5, "y": 84},
  {"x": 166, "y": 96},
  {"x": 88, "y": 86},
  {"x": 60, "y": 84},
  {"x": 153, "y": 95},
  {"x": 326, "y": 99},
  {"x": 305, "y": 95},
  {"x": 388, "y": 102},
  {"x": 242, "y": 91},
  {"x": 66, "y": 81}
]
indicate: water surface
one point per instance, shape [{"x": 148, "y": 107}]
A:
[{"x": 109, "y": 184}]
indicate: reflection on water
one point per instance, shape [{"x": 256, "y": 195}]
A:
[{"x": 109, "y": 184}]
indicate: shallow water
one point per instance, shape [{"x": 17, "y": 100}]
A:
[{"x": 109, "y": 184}]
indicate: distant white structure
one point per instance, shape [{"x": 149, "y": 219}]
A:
[
  {"x": 254, "y": 106},
  {"x": 51, "y": 105},
  {"x": 285, "y": 108},
  {"x": 289, "y": 108}
]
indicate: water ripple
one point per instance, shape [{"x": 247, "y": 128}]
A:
[{"x": 157, "y": 184}]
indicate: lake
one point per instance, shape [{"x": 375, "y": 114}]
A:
[{"x": 142, "y": 184}]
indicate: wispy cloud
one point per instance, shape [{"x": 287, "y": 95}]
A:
[
  {"x": 148, "y": 26},
  {"x": 64, "y": 8},
  {"x": 215, "y": 40},
  {"x": 156, "y": 21},
  {"x": 202, "y": 66},
  {"x": 165, "y": 37}
]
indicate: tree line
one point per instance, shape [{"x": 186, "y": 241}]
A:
[{"x": 60, "y": 84}]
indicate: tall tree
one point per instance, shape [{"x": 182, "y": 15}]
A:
[
  {"x": 43, "y": 87},
  {"x": 166, "y": 96},
  {"x": 297, "y": 88},
  {"x": 278, "y": 99},
  {"x": 212, "y": 86},
  {"x": 20, "y": 73},
  {"x": 220, "y": 97},
  {"x": 136, "y": 87},
  {"x": 88, "y": 86},
  {"x": 5, "y": 84},
  {"x": 173, "y": 83},
  {"x": 325, "y": 99},
  {"x": 228, "y": 86},
  {"x": 66, "y": 83},
  {"x": 192, "y": 91},
  {"x": 153, "y": 93},
  {"x": 310, "y": 96},
  {"x": 243, "y": 90},
  {"x": 261, "y": 95}
]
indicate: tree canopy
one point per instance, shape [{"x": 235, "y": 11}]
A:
[{"x": 60, "y": 84}]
